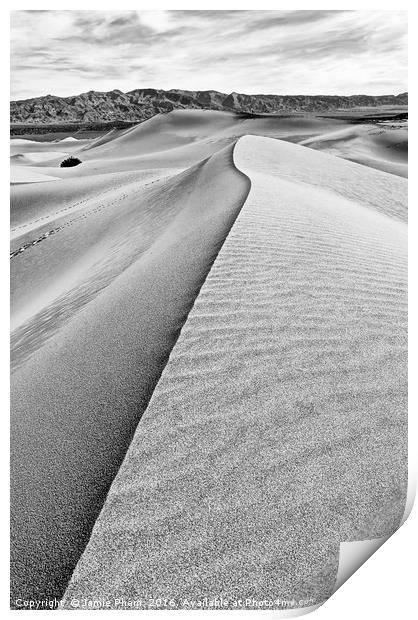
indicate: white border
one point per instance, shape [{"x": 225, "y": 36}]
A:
[{"x": 385, "y": 586}]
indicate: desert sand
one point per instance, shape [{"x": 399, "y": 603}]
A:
[
  {"x": 209, "y": 358},
  {"x": 384, "y": 147}
]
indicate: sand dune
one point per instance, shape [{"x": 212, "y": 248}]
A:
[
  {"x": 180, "y": 139},
  {"x": 277, "y": 428},
  {"x": 191, "y": 135},
  {"x": 22, "y": 142},
  {"x": 34, "y": 162},
  {"x": 23, "y": 146},
  {"x": 40, "y": 157},
  {"x": 378, "y": 146},
  {"x": 28, "y": 174},
  {"x": 109, "y": 135},
  {"x": 184, "y": 137},
  {"x": 98, "y": 308}
]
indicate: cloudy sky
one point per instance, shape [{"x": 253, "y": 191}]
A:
[{"x": 280, "y": 52}]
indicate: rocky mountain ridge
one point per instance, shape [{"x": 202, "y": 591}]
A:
[{"x": 143, "y": 103}]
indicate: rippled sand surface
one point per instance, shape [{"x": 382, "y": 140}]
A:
[{"x": 278, "y": 426}]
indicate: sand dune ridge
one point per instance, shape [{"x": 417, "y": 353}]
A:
[{"x": 275, "y": 430}]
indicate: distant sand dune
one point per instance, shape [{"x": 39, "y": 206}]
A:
[
  {"x": 277, "y": 428},
  {"x": 187, "y": 136},
  {"x": 26, "y": 174},
  {"x": 37, "y": 157},
  {"x": 184, "y": 137},
  {"x": 377, "y": 146}
]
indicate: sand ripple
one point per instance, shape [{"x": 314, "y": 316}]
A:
[{"x": 278, "y": 427}]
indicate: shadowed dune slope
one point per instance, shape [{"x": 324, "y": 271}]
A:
[
  {"x": 33, "y": 206},
  {"x": 166, "y": 131},
  {"x": 186, "y": 127},
  {"x": 95, "y": 239},
  {"x": 278, "y": 427},
  {"x": 378, "y": 146},
  {"x": 99, "y": 306}
]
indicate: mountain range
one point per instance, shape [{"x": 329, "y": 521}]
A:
[{"x": 143, "y": 103}]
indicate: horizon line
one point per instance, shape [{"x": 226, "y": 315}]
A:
[{"x": 209, "y": 90}]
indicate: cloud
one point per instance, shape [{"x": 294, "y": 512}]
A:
[
  {"x": 292, "y": 18},
  {"x": 158, "y": 21},
  {"x": 283, "y": 52}
]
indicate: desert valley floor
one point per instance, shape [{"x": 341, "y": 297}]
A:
[{"x": 208, "y": 355}]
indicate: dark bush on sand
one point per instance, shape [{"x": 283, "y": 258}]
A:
[{"x": 69, "y": 162}]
